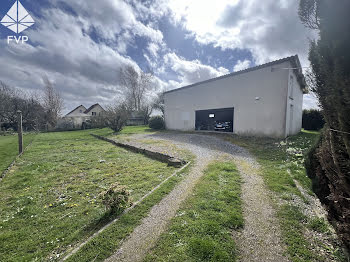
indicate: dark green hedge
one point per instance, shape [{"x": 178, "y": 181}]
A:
[
  {"x": 157, "y": 122},
  {"x": 313, "y": 119}
]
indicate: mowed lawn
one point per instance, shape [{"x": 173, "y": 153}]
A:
[
  {"x": 9, "y": 149},
  {"x": 50, "y": 198}
]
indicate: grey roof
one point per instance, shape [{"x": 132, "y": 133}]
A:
[
  {"x": 92, "y": 107},
  {"x": 75, "y": 109},
  {"x": 293, "y": 59}
]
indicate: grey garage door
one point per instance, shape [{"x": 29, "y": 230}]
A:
[{"x": 215, "y": 119}]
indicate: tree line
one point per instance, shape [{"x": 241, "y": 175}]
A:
[{"x": 40, "y": 111}]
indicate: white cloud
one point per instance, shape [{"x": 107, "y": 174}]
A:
[
  {"x": 124, "y": 41},
  {"x": 153, "y": 48},
  {"x": 83, "y": 69},
  {"x": 271, "y": 30},
  {"x": 111, "y": 17},
  {"x": 241, "y": 65},
  {"x": 191, "y": 71},
  {"x": 310, "y": 102},
  {"x": 85, "y": 72}
]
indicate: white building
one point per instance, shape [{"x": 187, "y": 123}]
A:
[
  {"x": 79, "y": 116},
  {"x": 265, "y": 100}
]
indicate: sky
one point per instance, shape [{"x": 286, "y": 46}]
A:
[{"x": 81, "y": 45}]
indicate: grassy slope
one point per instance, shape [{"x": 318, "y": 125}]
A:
[
  {"x": 276, "y": 157},
  {"x": 9, "y": 149},
  {"x": 105, "y": 244},
  {"x": 49, "y": 200},
  {"x": 108, "y": 242},
  {"x": 201, "y": 230}
]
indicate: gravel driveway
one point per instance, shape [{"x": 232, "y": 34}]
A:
[{"x": 259, "y": 240}]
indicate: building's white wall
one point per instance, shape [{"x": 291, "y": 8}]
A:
[
  {"x": 263, "y": 117},
  {"x": 295, "y": 101}
]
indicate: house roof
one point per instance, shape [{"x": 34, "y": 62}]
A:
[
  {"x": 293, "y": 59},
  {"x": 91, "y": 107},
  {"x": 75, "y": 109}
]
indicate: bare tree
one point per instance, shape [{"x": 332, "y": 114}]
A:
[
  {"x": 12, "y": 100},
  {"x": 5, "y": 102},
  {"x": 158, "y": 103},
  {"x": 116, "y": 116},
  {"x": 136, "y": 85},
  {"x": 52, "y": 102},
  {"x": 145, "y": 112}
]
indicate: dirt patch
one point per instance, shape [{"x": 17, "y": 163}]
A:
[{"x": 260, "y": 240}]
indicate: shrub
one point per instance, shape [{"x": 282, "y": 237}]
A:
[
  {"x": 157, "y": 122},
  {"x": 116, "y": 117},
  {"x": 313, "y": 119},
  {"x": 332, "y": 190},
  {"x": 116, "y": 198},
  {"x": 97, "y": 121}
]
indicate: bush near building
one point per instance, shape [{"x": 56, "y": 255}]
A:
[
  {"x": 157, "y": 122},
  {"x": 313, "y": 119}
]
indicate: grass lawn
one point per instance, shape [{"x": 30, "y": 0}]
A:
[
  {"x": 282, "y": 163},
  {"x": 131, "y": 130},
  {"x": 202, "y": 228},
  {"x": 108, "y": 242},
  {"x": 9, "y": 149},
  {"x": 49, "y": 200}
]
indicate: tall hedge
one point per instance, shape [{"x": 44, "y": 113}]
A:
[
  {"x": 313, "y": 119},
  {"x": 328, "y": 163}
]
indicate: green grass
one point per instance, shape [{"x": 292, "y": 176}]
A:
[
  {"x": 201, "y": 230},
  {"x": 277, "y": 156},
  {"x": 318, "y": 225},
  {"x": 131, "y": 130},
  {"x": 108, "y": 242},
  {"x": 282, "y": 162},
  {"x": 293, "y": 225},
  {"x": 49, "y": 200},
  {"x": 9, "y": 149}
]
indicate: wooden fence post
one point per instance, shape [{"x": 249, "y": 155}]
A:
[{"x": 20, "y": 132}]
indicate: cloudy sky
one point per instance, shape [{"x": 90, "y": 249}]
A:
[{"x": 82, "y": 44}]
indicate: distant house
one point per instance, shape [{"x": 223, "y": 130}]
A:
[
  {"x": 94, "y": 110},
  {"x": 80, "y": 117}
]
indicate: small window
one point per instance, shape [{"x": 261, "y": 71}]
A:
[
  {"x": 211, "y": 115},
  {"x": 93, "y": 113},
  {"x": 81, "y": 111}
]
